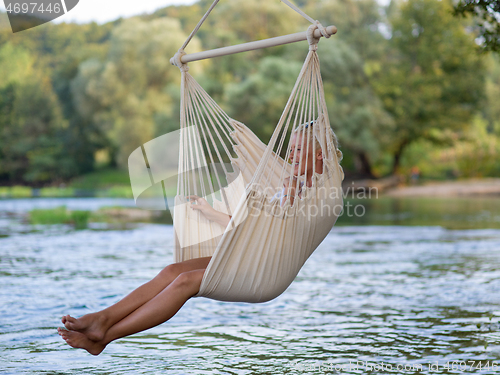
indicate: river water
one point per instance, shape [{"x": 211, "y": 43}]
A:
[{"x": 375, "y": 297}]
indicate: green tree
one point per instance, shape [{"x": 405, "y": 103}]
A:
[
  {"x": 358, "y": 23},
  {"x": 259, "y": 100},
  {"x": 491, "y": 109},
  {"x": 82, "y": 138},
  {"x": 127, "y": 92},
  {"x": 487, "y": 16},
  {"x": 349, "y": 59},
  {"x": 59, "y": 49},
  {"x": 4, "y": 21},
  {"x": 31, "y": 124},
  {"x": 240, "y": 21},
  {"x": 432, "y": 80},
  {"x": 356, "y": 113}
]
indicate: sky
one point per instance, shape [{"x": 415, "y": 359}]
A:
[{"x": 102, "y": 11}]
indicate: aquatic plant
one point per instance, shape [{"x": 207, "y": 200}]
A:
[{"x": 60, "y": 215}]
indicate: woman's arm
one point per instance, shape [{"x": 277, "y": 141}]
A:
[
  {"x": 290, "y": 187},
  {"x": 208, "y": 211}
]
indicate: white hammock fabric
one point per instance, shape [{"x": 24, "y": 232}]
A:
[{"x": 265, "y": 244}]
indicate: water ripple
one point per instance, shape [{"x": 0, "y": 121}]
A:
[{"x": 393, "y": 294}]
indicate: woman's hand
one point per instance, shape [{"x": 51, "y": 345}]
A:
[
  {"x": 290, "y": 185},
  {"x": 208, "y": 211},
  {"x": 290, "y": 188},
  {"x": 200, "y": 204}
]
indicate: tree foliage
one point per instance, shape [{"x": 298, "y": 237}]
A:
[
  {"x": 358, "y": 23},
  {"x": 487, "y": 15},
  {"x": 258, "y": 101},
  {"x": 356, "y": 113},
  {"x": 392, "y": 76},
  {"x": 433, "y": 81},
  {"x": 31, "y": 123},
  {"x": 123, "y": 94}
]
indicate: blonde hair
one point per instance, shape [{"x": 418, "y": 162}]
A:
[{"x": 309, "y": 131}]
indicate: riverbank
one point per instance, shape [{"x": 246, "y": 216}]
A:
[
  {"x": 459, "y": 188},
  {"x": 115, "y": 184}
]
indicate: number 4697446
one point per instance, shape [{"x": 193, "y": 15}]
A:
[{"x": 33, "y": 8}]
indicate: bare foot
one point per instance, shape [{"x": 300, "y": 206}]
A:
[
  {"x": 79, "y": 340},
  {"x": 91, "y": 325}
]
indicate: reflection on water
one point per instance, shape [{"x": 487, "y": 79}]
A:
[
  {"x": 451, "y": 213},
  {"x": 397, "y": 295}
]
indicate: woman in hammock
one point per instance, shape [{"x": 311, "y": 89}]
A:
[{"x": 159, "y": 299}]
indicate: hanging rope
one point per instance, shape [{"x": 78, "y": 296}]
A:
[
  {"x": 310, "y": 19},
  {"x": 195, "y": 30},
  {"x": 298, "y": 10}
]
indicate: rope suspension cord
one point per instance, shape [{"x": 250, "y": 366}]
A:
[
  {"x": 181, "y": 58},
  {"x": 197, "y": 27},
  {"x": 305, "y": 91}
]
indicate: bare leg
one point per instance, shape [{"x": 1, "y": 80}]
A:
[
  {"x": 95, "y": 325},
  {"x": 154, "y": 312}
]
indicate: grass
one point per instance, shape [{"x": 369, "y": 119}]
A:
[
  {"x": 15, "y": 192},
  {"x": 4, "y": 191},
  {"x": 116, "y": 192},
  {"x": 80, "y": 219},
  {"x": 60, "y": 215},
  {"x": 106, "y": 183},
  {"x": 57, "y": 192},
  {"x": 101, "y": 179}
]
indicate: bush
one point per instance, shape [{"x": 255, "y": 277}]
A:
[{"x": 80, "y": 219}]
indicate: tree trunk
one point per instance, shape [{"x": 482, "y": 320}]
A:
[
  {"x": 397, "y": 156},
  {"x": 366, "y": 168}
]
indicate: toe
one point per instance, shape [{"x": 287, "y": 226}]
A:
[{"x": 69, "y": 322}]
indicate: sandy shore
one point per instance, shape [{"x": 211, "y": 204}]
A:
[{"x": 470, "y": 187}]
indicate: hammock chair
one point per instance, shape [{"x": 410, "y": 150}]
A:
[{"x": 270, "y": 235}]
